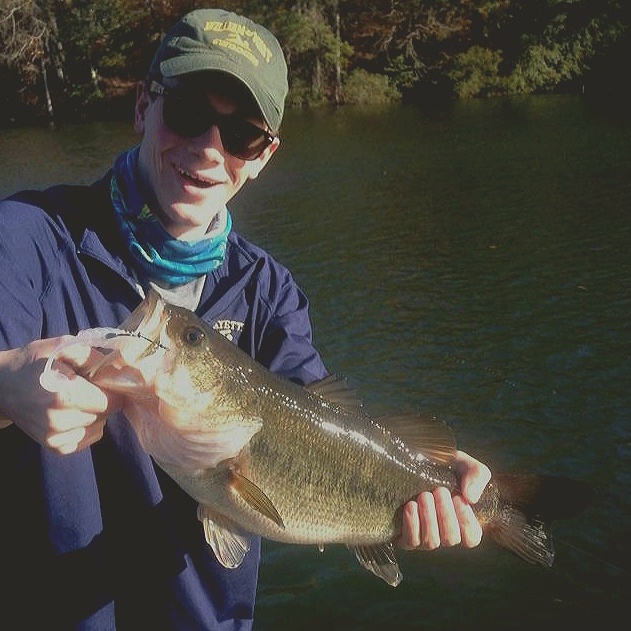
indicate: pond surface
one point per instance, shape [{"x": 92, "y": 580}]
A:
[{"x": 474, "y": 264}]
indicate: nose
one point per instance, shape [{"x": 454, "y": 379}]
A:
[{"x": 209, "y": 145}]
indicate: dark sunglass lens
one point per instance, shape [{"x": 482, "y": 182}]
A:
[
  {"x": 243, "y": 139},
  {"x": 186, "y": 117},
  {"x": 190, "y": 115}
]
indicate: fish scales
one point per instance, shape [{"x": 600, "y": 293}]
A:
[
  {"x": 335, "y": 464},
  {"x": 265, "y": 456}
]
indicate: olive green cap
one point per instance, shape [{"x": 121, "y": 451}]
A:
[{"x": 214, "y": 39}]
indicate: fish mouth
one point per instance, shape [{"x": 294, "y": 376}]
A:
[
  {"x": 138, "y": 352},
  {"x": 148, "y": 323},
  {"x": 148, "y": 318}
]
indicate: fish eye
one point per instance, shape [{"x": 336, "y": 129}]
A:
[{"x": 193, "y": 335}]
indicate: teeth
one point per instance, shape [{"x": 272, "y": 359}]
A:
[{"x": 191, "y": 176}]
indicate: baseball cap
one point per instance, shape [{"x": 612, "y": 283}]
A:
[{"x": 214, "y": 39}]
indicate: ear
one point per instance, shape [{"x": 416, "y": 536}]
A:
[
  {"x": 143, "y": 100},
  {"x": 256, "y": 166}
]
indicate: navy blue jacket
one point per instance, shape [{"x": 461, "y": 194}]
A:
[{"x": 102, "y": 539}]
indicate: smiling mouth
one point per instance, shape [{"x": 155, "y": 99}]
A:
[{"x": 194, "y": 180}]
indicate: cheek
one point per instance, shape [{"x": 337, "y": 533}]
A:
[
  {"x": 156, "y": 144},
  {"x": 237, "y": 171},
  {"x": 238, "y": 178},
  {"x": 155, "y": 135},
  {"x": 254, "y": 167},
  {"x": 245, "y": 171}
]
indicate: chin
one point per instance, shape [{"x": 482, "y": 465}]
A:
[{"x": 190, "y": 220}]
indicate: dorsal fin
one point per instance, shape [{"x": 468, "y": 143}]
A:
[
  {"x": 336, "y": 390},
  {"x": 423, "y": 434}
]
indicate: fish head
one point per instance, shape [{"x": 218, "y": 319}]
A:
[
  {"x": 172, "y": 369},
  {"x": 166, "y": 352},
  {"x": 136, "y": 353},
  {"x": 182, "y": 361},
  {"x": 179, "y": 345}
]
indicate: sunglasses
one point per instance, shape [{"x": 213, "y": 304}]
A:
[{"x": 188, "y": 114}]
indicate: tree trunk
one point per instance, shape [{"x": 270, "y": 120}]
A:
[
  {"x": 94, "y": 75},
  {"x": 338, "y": 57},
  {"x": 49, "y": 101},
  {"x": 316, "y": 85}
]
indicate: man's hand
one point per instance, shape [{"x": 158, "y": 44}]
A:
[
  {"x": 441, "y": 519},
  {"x": 66, "y": 413}
]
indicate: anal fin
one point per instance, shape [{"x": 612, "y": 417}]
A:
[{"x": 381, "y": 561}]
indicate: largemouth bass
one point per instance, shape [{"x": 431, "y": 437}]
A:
[{"x": 304, "y": 465}]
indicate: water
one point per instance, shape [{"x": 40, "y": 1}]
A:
[{"x": 473, "y": 264}]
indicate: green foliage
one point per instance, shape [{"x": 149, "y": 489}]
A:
[
  {"x": 362, "y": 87},
  {"x": 307, "y": 32},
  {"x": 314, "y": 52},
  {"x": 302, "y": 94},
  {"x": 71, "y": 53},
  {"x": 565, "y": 49},
  {"x": 476, "y": 73},
  {"x": 403, "y": 72},
  {"x": 540, "y": 69}
]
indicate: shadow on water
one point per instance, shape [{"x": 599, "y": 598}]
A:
[{"x": 474, "y": 264}]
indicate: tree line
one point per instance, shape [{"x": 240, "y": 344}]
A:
[{"x": 81, "y": 58}]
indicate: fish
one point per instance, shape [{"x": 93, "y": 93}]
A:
[{"x": 265, "y": 456}]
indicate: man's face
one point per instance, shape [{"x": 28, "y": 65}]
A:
[{"x": 190, "y": 180}]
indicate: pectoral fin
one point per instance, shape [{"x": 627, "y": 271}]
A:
[
  {"x": 229, "y": 544},
  {"x": 381, "y": 561},
  {"x": 255, "y": 497}
]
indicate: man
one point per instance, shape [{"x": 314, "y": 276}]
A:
[{"x": 94, "y": 536}]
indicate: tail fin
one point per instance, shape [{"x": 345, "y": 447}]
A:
[{"x": 528, "y": 506}]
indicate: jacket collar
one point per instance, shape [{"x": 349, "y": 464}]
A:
[{"x": 97, "y": 235}]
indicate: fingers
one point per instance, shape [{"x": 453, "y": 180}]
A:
[
  {"x": 74, "y": 353},
  {"x": 76, "y": 414},
  {"x": 71, "y": 366},
  {"x": 439, "y": 519},
  {"x": 448, "y": 524},
  {"x": 431, "y": 521},
  {"x": 76, "y": 438},
  {"x": 75, "y": 393},
  {"x": 63, "y": 411},
  {"x": 470, "y": 528},
  {"x": 474, "y": 476},
  {"x": 68, "y": 430},
  {"x": 75, "y": 402},
  {"x": 410, "y": 537}
]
